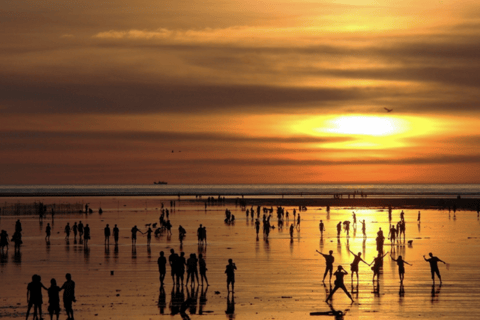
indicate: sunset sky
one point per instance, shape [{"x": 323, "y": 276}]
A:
[{"x": 102, "y": 92}]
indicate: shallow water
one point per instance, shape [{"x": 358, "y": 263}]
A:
[{"x": 278, "y": 279}]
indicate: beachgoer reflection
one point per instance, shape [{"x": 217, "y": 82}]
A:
[
  {"x": 134, "y": 252},
  {"x": 203, "y": 299},
  {"x": 162, "y": 300},
  {"x": 401, "y": 290},
  {"x": 230, "y": 312},
  {"x": 435, "y": 292},
  {"x": 339, "y": 274}
]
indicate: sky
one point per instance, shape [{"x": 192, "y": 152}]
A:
[{"x": 238, "y": 92}]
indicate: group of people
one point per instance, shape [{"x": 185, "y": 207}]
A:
[
  {"x": 177, "y": 263},
  {"x": 35, "y": 297},
  {"x": 376, "y": 268}
]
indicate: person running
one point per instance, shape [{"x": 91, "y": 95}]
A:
[
  {"x": 434, "y": 266},
  {"x": 355, "y": 263},
  {"x": 203, "y": 268},
  {"x": 329, "y": 260},
  {"x": 34, "y": 296},
  {"x": 68, "y": 288},
  {"x": 230, "y": 271},
  {"x": 106, "y": 232},
  {"x": 339, "y": 274},
  {"x": 116, "y": 233},
  {"x": 53, "y": 299},
  {"x": 321, "y": 226},
  {"x": 401, "y": 266},
  {"x": 162, "y": 266},
  {"x": 377, "y": 264}
]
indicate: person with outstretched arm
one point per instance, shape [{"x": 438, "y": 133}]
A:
[
  {"x": 329, "y": 259},
  {"x": 434, "y": 266}
]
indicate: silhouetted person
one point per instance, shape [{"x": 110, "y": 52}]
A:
[
  {"x": 162, "y": 266},
  {"x": 3, "y": 240},
  {"x": 53, "y": 299},
  {"x": 192, "y": 269},
  {"x": 203, "y": 268},
  {"x": 86, "y": 235},
  {"x": 339, "y": 229},
  {"x": 180, "y": 267},
  {"x": 401, "y": 267},
  {"x": 116, "y": 233},
  {"x": 80, "y": 230},
  {"x": 434, "y": 266},
  {"x": 257, "y": 226},
  {"x": 355, "y": 263},
  {"x": 230, "y": 271},
  {"x": 377, "y": 264},
  {"x": 171, "y": 261},
  {"x": 364, "y": 228},
  {"x": 329, "y": 260},
  {"x": 183, "y": 308},
  {"x": 321, "y": 226},
  {"x": 67, "y": 231},
  {"x": 75, "y": 229},
  {"x": 291, "y": 230},
  {"x": 418, "y": 218},
  {"x": 134, "y": 234},
  {"x": 106, "y": 232},
  {"x": 34, "y": 296},
  {"x": 68, "y": 288},
  {"x": 149, "y": 235},
  {"x": 48, "y": 231},
  {"x": 339, "y": 274}
]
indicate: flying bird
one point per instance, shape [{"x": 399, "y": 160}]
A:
[{"x": 388, "y": 110}]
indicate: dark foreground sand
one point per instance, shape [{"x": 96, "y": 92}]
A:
[{"x": 276, "y": 279}]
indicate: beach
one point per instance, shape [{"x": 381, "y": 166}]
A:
[{"x": 276, "y": 279}]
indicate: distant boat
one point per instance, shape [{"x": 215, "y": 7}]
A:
[{"x": 160, "y": 182}]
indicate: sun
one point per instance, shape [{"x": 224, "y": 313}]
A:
[{"x": 365, "y": 125}]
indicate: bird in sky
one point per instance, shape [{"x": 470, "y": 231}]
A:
[{"x": 388, "y": 110}]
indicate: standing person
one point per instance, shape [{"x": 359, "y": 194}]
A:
[
  {"x": 230, "y": 271},
  {"x": 355, "y": 263},
  {"x": 53, "y": 299},
  {"x": 106, "y": 232},
  {"x": 162, "y": 266},
  {"x": 115, "y": 234},
  {"x": 149, "y": 235},
  {"x": 180, "y": 267},
  {"x": 80, "y": 230},
  {"x": 203, "y": 268},
  {"x": 67, "y": 231},
  {"x": 418, "y": 218},
  {"x": 171, "y": 261},
  {"x": 74, "y": 229},
  {"x": 401, "y": 266},
  {"x": 377, "y": 263},
  {"x": 48, "y": 231},
  {"x": 364, "y": 229},
  {"x": 339, "y": 274},
  {"x": 329, "y": 260},
  {"x": 86, "y": 235},
  {"x": 68, "y": 288},
  {"x": 339, "y": 229},
  {"x": 34, "y": 296},
  {"x": 291, "y": 231},
  {"x": 434, "y": 266},
  {"x": 321, "y": 226},
  {"x": 192, "y": 269},
  {"x": 257, "y": 226},
  {"x": 134, "y": 234}
]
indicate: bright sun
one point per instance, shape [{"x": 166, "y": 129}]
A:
[{"x": 365, "y": 125}]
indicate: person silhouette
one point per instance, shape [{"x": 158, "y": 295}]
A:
[
  {"x": 134, "y": 234},
  {"x": 230, "y": 271},
  {"x": 116, "y": 233},
  {"x": 377, "y": 264},
  {"x": 203, "y": 268},
  {"x": 162, "y": 266},
  {"x": 48, "y": 231},
  {"x": 434, "y": 266},
  {"x": 321, "y": 226},
  {"x": 339, "y": 274},
  {"x": 355, "y": 263},
  {"x": 67, "y": 231},
  {"x": 68, "y": 288},
  {"x": 34, "y": 296},
  {"x": 329, "y": 260},
  {"x": 53, "y": 299},
  {"x": 172, "y": 262},
  {"x": 401, "y": 267},
  {"x": 106, "y": 232}
]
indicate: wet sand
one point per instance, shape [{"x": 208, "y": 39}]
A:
[{"x": 278, "y": 279}]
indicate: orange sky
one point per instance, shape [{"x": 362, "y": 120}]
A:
[{"x": 99, "y": 92}]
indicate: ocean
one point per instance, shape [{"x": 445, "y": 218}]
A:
[{"x": 318, "y": 190}]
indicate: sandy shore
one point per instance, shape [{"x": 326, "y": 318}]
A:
[{"x": 276, "y": 279}]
